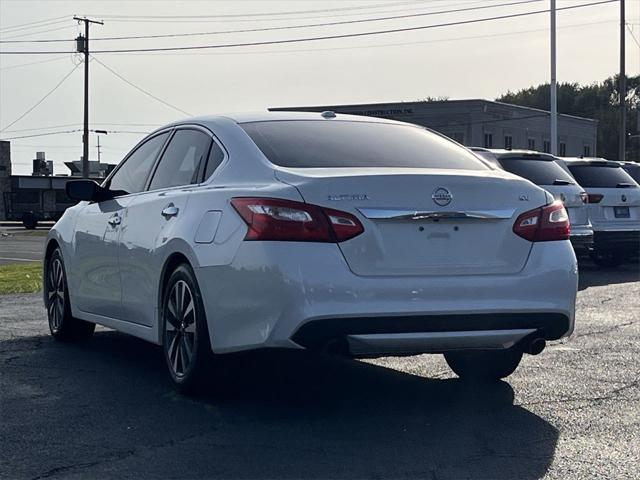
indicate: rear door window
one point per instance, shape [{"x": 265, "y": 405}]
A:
[
  {"x": 540, "y": 172},
  {"x": 601, "y": 176},
  {"x": 131, "y": 176},
  {"x": 181, "y": 161},
  {"x": 335, "y": 143}
]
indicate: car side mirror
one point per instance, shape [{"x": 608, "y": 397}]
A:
[{"x": 87, "y": 190}]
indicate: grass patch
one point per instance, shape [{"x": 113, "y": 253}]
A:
[{"x": 21, "y": 278}]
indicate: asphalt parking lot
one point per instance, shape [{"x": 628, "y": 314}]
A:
[
  {"x": 105, "y": 409},
  {"x": 18, "y": 245}
]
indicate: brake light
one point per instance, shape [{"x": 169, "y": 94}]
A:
[
  {"x": 287, "y": 220},
  {"x": 595, "y": 197},
  {"x": 544, "y": 224},
  {"x": 584, "y": 197}
]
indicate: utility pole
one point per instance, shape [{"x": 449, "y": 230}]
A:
[
  {"x": 553, "y": 85},
  {"x": 622, "y": 89},
  {"x": 98, "y": 132},
  {"x": 83, "y": 47}
]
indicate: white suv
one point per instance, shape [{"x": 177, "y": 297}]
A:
[
  {"x": 614, "y": 208},
  {"x": 542, "y": 170}
]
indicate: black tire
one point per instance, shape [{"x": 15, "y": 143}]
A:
[
  {"x": 484, "y": 364},
  {"x": 185, "y": 335},
  {"x": 29, "y": 221},
  {"x": 62, "y": 325},
  {"x": 609, "y": 258}
]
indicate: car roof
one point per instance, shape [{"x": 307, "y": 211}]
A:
[
  {"x": 516, "y": 154},
  {"x": 265, "y": 116}
]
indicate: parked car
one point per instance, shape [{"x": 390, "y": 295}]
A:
[
  {"x": 614, "y": 208},
  {"x": 542, "y": 169},
  {"x": 633, "y": 169},
  {"x": 312, "y": 231}
]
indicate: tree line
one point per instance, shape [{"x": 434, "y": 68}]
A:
[{"x": 600, "y": 101}]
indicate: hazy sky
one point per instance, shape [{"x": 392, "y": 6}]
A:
[{"x": 478, "y": 60}]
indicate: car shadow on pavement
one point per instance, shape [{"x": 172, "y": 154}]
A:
[
  {"x": 105, "y": 409},
  {"x": 591, "y": 275}
]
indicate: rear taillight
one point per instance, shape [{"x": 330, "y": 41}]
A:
[
  {"x": 584, "y": 197},
  {"x": 286, "y": 220},
  {"x": 595, "y": 197},
  {"x": 544, "y": 224}
]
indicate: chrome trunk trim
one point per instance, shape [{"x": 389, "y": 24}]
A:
[{"x": 410, "y": 214}]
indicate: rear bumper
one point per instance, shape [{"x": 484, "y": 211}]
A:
[
  {"x": 386, "y": 344},
  {"x": 550, "y": 326},
  {"x": 617, "y": 239},
  {"x": 581, "y": 238},
  {"x": 296, "y": 295}
]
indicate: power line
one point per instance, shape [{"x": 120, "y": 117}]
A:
[
  {"x": 10, "y": 39},
  {"x": 266, "y": 14},
  {"x": 397, "y": 44},
  {"x": 38, "y": 24},
  {"x": 79, "y": 124},
  {"x": 633, "y": 35},
  {"x": 10, "y": 67},
  {"x": 141, "y": 89},
  {"x": 76, "y": 130},
  {"x": 290, "y": 27},
  {"x": 41, "y": 100},
  {"x": 313, "y": 17},
  {"x": 43, "y": 134},
  {"x": 323, "y": 37}
]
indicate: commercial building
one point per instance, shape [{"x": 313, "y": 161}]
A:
[
  {"x": 483, "y": 123},
  {"x": 41, "y": 195}
]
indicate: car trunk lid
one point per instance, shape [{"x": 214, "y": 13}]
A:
[{"x": 425, "y": 221}]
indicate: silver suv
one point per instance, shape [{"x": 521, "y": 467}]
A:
[
  {"x": 542, "y": 169},
  {"x": 614, "y": 208}
]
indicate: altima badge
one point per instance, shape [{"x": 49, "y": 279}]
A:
[
  {"x": 441, "y": 196},
  {"x": 348, "y": 196}
]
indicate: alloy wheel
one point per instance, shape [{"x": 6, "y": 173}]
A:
[
  {"x": 55, "y": 294},
  {"x": 180, "y": 328}
]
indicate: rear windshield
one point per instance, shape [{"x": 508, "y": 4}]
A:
[
  {"x": 330, "y": 144},
  {"x": 488, "y": 157},
  {"x": 634, "y": 171},
  {"x": 600, "y": 176},
  {"x": 540, "y": 172}
]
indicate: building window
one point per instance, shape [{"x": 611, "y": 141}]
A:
[
  {"x": 508, "y": 142},
  {"x": 488, "y": 140},
  {"x": 563, "y": 149},
  {"x": 546, "y": 146},
  {"x": 586, "y": 151},
  {"x": 531, "y": 143}
]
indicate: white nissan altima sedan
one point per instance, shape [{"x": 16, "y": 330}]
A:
[{"x": 314, "y": 231}]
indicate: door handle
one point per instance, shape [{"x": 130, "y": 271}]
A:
[
  {"x": 114, "y": 221},
  {"x": 170, "y": 211}
]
